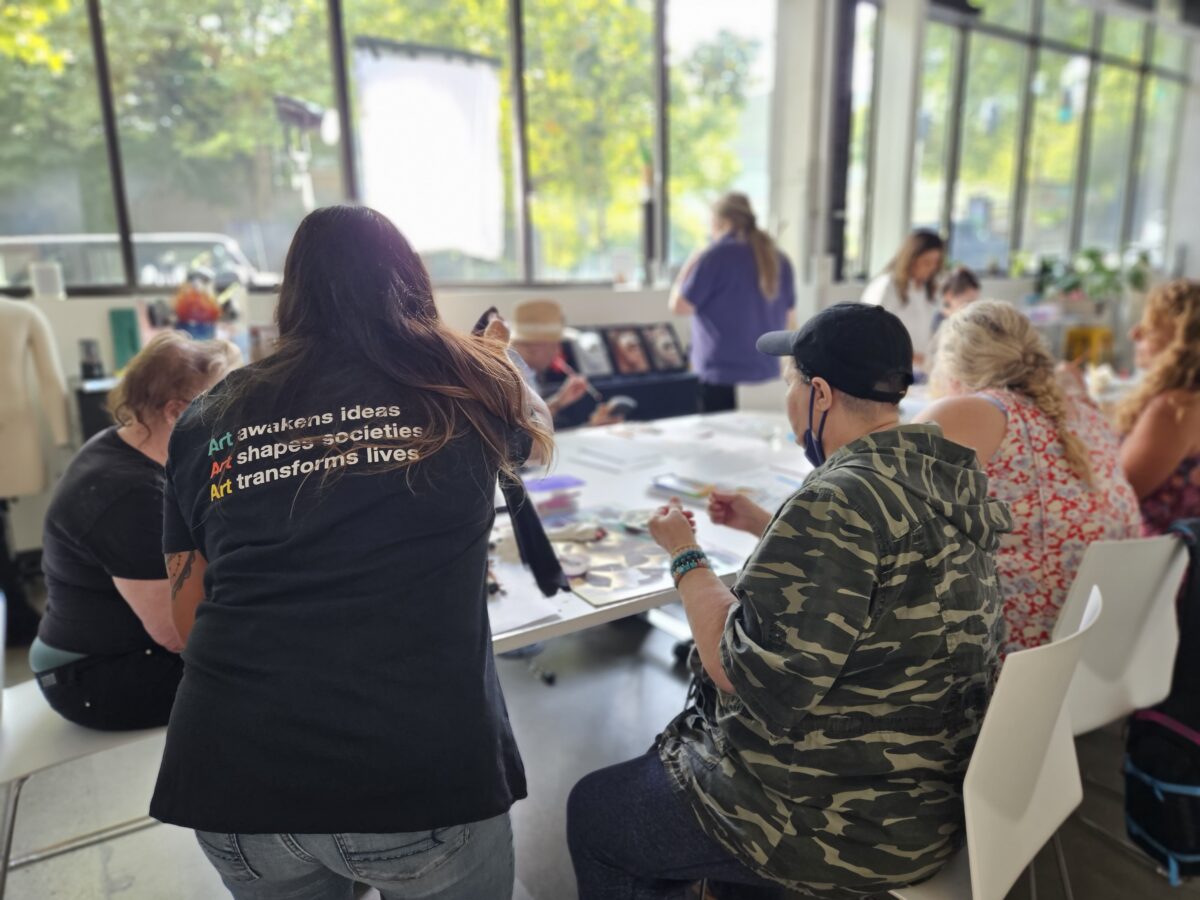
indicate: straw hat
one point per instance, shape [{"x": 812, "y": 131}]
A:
[{"x": 538, "y": 321}]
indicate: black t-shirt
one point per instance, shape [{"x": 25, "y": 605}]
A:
[
  {"x": 339, "y": 677},
  {"x": 104, "y": 522}
]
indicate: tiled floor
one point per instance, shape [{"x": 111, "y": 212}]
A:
[{"x": 616, "y": 686}]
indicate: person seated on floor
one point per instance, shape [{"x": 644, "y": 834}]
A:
[
  {"x": 107, "y": 652},
  {"x": 1160, "y": 419},
  {"x": 537, "y": 330},
  {"x": 1049, "y": 455},
  {"x": 840, "y": 686}
]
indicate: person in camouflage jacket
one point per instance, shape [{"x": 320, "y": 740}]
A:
[{"x": 840, "y": 686}]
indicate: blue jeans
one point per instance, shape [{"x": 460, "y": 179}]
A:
[
  {"x": 462, "y": 862},
  {"x": 633, "y": 837}
]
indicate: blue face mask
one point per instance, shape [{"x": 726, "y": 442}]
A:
[{"x": 814, "y": 452}]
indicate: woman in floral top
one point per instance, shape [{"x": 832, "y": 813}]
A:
[
  {"x": 1052, "y": 458},
  {"x": 1161, "y": 418}
]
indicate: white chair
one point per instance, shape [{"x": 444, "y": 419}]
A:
[
  {"x": 1129, "y": 656},
  {"x": 33, "y": 737},
  {"x": 1023, "y": 779}
]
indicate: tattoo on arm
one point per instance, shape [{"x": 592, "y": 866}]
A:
[{"x": 180, "y": 568}]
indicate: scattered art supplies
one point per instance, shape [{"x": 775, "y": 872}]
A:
[
  {"x": 552, "y": 483},
  {"x": 624, "y": 563},
  {"x": 670, "y": 485}
]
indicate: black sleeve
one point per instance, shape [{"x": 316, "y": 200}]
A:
[
  {"x": 126, "y": 539},
  {"x": 176, "y": 533}
]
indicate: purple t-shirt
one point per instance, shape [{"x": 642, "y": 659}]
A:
[{"x": 732, "y": 313}]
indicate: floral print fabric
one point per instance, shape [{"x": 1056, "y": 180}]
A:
[{"x": 1055, "y": 513}]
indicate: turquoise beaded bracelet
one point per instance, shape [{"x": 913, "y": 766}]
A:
[{"x": 686, "y": 562}]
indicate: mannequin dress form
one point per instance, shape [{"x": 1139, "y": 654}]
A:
[{"x": 26, "y": 343}]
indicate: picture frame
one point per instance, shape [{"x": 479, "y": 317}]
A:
[
  {"x": 664, "y": 347},
  {"x": 629, "y": 354},
  {"x": 590, "y": 352}
]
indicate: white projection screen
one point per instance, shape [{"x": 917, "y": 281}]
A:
[{"x": 429, "y": 144}]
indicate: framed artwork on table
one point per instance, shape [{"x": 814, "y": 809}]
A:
[
  {"x": 628, "y": 353},
  {"x": 666, "y": 353},
  {"x": 591, "y": 353}
]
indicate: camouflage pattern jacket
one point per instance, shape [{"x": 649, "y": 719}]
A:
[{"x": 863, "y": 653}]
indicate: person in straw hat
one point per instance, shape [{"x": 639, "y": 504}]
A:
[{"x": 537, "y": 330}]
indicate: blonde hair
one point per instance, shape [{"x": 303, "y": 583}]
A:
[
  {"x": 735, "y": 209},
  {"x": 172, "y": 366},
  {"x": 1174, "y": 305},
  {"x": 991, "y": 345}
]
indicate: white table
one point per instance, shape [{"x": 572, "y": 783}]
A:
[{"x": 717, "y": 448}]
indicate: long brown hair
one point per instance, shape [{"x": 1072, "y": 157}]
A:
[
  {"x": 991, "y": 345},
  {"x": 172, "y": 366},
  {"x": 916, "y": 245},
  {"x": 354, "y": 289},
  {"x": 735, "y": 209},
  {"x": 1174, "y": 305}
]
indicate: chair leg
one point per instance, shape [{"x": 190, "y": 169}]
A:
[
  {"x": 12, "y": 794},
  {"x": 1032, "y": 882},
  {"x": 1063, "y": 871}
]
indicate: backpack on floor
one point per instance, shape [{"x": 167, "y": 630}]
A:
[{"x": 1162, "y": 750}]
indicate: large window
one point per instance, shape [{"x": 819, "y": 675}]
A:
[
  {"x": 981, "y": 228},
  {"x": 514, "y": 141},
  {"x": 220, "y": 110},
  {"x": 56, "y": 201},
  {"x": 1067, "y": 21},
  {"x": 1113, "y": 110},
  {"x": 1065, "y": 123},
  {"x": 721, "y": 65},
  {"x": 931, "y": 160},
  {"x": 1011, "y": 14},
  {"x": 855, "y": 262},
  {"x": 1060, "y": 89},
  {"x": 1159, "y": 138},
  {"x": 1124, "y": 38},
  {"x": 591, "y": 132}
]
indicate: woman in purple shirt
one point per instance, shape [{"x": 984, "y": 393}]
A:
[{"x": 736, "y": 289}]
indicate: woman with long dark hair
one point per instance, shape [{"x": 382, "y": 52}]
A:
[
  {"x": 736, "y": 289},
  {"x": 908, "y": 288},
  {"x": 327, "y": 519}
]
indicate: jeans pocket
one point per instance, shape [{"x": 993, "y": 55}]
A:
[
  {"x": 402, "y": 856},
  {"x": 225, "y": 854}
]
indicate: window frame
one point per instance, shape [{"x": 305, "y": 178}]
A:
[
  {"x": 1036, "y": 43},
  {"x": 842, "y": 137},
  {"x": 655, "y": 265}
]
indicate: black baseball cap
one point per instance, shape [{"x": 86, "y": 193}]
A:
[{"x": 860, "y": 349}]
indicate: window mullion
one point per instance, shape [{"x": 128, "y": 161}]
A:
[
  {"x": 1083, "y": 164},
  {"x": 954, "y": 138},
  {"x": 341, "y": 86},
  {"x": 1032, "y": 60},
  {"x": 516, "y": 37},
  {"x": 112, "y": 139}
]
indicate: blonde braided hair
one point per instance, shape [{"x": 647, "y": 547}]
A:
[
  {"x": 991, "y": 345},
  {"x": 1175, "y": 305}
]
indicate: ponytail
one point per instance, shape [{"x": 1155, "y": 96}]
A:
[
  {"x": 735, "y": 209},
  {"x": 991, "y": 345}
]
